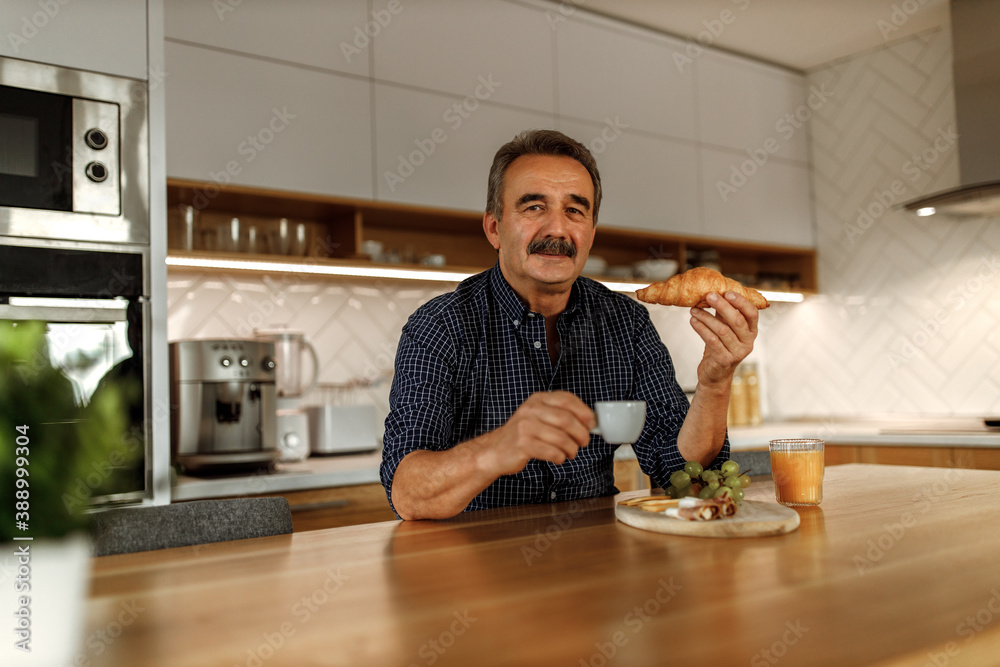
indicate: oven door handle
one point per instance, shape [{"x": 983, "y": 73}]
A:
[{"x": 61, "y": 314}]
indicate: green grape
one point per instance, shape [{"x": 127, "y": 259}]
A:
[
  {"x": 737, "y": 493},
  {"x": 680, "y": 479},
  {"x": 709, "y": 475},
  {"x": 730, "y": 467},
  {"x": 673, "y": 491},
  {"x": 689, "y": 492},
  {"x": 744, "y": 480},
  {"x": 714, "y": 484},
  {"x": 733, "y": 482},
  {"x": 706, "y": 493},
  {"x": 723, "y": 491},
  {"x": 693, "y": 468}
]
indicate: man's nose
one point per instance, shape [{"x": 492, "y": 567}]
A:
[{"x": 556, "y": 224}]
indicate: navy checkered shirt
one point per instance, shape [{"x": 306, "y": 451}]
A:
[{"x": 468, "y": 359}]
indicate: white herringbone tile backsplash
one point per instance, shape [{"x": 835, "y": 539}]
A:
[{"x": 908, "y": 320}]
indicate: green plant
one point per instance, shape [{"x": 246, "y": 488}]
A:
[{"x": 49, "y": 445}]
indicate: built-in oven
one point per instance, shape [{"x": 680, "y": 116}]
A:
[
  {"x": 73, "y": 154},
  {"x": 95, "y": 309},
  {"x": 75, "y": 242}
]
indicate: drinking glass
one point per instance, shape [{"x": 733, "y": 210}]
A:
[{"x": 797, "y": 469}]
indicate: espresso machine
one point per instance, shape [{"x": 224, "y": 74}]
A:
[{"x": 222, "y": 405}]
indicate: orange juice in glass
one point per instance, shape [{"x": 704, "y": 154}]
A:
[{"x": 797, "y": 471}]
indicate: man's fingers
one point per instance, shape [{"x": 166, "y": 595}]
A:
[{"x": 568, "y": 402}]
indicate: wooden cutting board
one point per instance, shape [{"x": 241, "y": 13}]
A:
[{"x": 754, "y": 518}]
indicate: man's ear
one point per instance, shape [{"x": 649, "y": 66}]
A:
[{"x": 490, "y": 227}]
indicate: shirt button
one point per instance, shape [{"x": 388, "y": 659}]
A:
[
  {"x": 517, "y": 322},
  {"x": 552, "y": 495},
  {"x": 538, "y": 344},
  {"x": 531, "y": 314}
]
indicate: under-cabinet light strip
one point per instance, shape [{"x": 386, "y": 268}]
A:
[{"x": 385, "y": 272}]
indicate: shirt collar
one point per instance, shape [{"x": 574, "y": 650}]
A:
[{"x": 511, "y": 304}]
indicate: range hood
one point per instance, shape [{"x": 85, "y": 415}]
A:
[{"x": 976, "y": 65}]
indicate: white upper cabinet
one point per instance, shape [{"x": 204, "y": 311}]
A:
[
  {"x": 330, "y": 35},
  {"x": 107, "y": 36},
  {"x": 751, "y": 107},
  {"x": 766, "y": 203},
  {"x": 265, "y": 124},
  {"x": 647, "y": 182},
  {"x": 436, "y": 149},
  {"x": 453, "y": 47},
  {"x": 607, "y": 73}
]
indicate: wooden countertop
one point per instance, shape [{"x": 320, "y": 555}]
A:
[{"x": 897, "y": 566}]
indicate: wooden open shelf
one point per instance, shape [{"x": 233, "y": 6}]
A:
[{"x": 336, "y": 227}]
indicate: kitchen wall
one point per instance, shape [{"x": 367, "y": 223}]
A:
[
  {"x": 909, "y": 317},
  {"x": 354, "y": 325}
]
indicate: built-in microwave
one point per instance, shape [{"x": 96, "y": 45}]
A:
[{"x": 73, "y": 154}]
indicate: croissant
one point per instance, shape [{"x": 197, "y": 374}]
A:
[{"x": 691, "y": 287}]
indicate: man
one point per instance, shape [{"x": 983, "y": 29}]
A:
[{"x": 490, "y": 403}]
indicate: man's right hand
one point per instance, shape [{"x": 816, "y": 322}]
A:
[{"x": 548, "y": 426}]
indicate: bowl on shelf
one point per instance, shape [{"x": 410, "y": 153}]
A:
[
  {"x": 654, "y": 269},
  {"x": 620, "y": 271}
]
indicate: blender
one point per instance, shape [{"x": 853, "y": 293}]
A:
[{"x": 290, "y": 347}]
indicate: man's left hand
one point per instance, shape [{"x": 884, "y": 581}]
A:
[{"x": 728, "y": 336}]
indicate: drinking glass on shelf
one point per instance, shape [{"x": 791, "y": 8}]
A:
[{"x": 229, "y": 236}]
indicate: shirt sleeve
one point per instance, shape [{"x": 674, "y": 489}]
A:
[
  {"x": 666, "y": 408},
  {"x": 421, "y": 398}
]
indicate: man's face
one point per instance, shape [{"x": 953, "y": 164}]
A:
[{"x": 548, "y": 223}]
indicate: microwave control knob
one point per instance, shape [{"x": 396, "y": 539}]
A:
[
  {"x": 97, "y": 172},
  {"x": 267, "y": 364},
  {"x": 244, "y": 362},
  {"x": 225, "y": 362},
  {"x": 96, "y": 139}
]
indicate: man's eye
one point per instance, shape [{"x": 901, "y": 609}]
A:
[{"x": 534, "y": 207}]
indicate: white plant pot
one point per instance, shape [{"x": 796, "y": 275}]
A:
[{"x": 58, "y": 572}]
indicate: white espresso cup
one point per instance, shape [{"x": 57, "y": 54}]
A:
[{"x": 619, "y": 422}]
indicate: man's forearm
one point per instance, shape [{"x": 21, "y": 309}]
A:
[
  {"x": 704, "y": 430},
  {"x": 438, "y": 485}
]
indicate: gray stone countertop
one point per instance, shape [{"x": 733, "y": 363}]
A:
[
  {"x": 319, "y": 472},
  {"x": 890, "y": 430},
  {"x": 316, "y": 472}
]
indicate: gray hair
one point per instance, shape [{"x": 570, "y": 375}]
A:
[{"x": 538, "y": 142}]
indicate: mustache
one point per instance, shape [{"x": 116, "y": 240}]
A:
[{"x": 551, "y": 246}]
